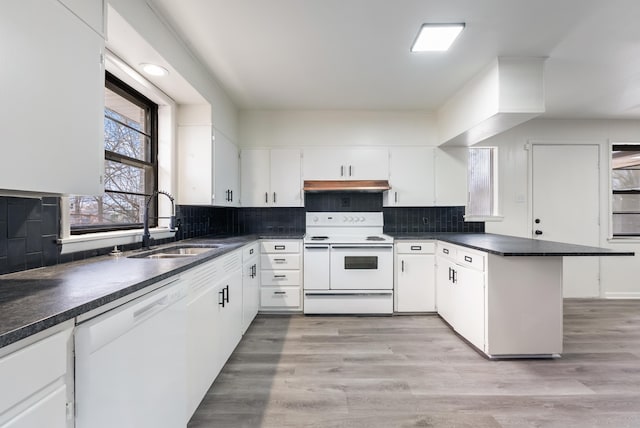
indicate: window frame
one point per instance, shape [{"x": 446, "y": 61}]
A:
[
  {"x": 620, "y": 146},
  {"x": 124, "y": 90}
]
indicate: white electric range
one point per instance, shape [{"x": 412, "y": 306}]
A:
[{"x": 348, "y": 264}]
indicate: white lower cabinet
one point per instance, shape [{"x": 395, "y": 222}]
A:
[
  {"x": 506, "y": 306},
  {"x": 461, "y": 291},
  {"x": 214, "y": 322},
  {"x": 250, "y": 284},
  {"x": 415, "y": 276},
  {"x": 281, "y": 275},
  {"x": 38, "y": 381}
]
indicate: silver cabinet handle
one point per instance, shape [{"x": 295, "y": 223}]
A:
[
  {"x": 341, "y": 170},
  {"x": 266, "y": 197},
  {"x": 350, "y": 168},
  {"x": 396, "y": 197},
  {"x": 274, "y": 197},
  {"x": 416, "y": 247},
  {"x": 280, "y": 292},
  {"x": 468, "y": 259},
  {"x": 402, "y": 263}
]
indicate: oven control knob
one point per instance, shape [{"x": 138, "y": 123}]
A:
[
  {"x": 344, "y": 220},
  {"x": 361, "y": 218},
  {"x": 315, "y": 218}
]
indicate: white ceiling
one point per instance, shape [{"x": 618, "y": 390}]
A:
[{"x": 354, "y": 54}]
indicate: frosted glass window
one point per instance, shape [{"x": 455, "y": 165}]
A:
[{"x": 482, "y": 182}]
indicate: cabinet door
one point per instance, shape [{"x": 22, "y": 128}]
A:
[
  {"x": 367, "y": 164},
  {"x": 195, "y": 159},
  {"x": 324, "y": 164},
  {"x": 255, "y": 177},
  {"x": 52, "y": 109},
  {"x": 250, "y": 292},
  {"x": 415, "y": 283},
  {"x": 50, "y": 411},
  {"x": 226, "y": 168},
  {"x": 231, "y": 315},
  {"x": 204, "y": 360},
  {"x": 469, "y": 297},
  {"x": 445, "y": 290},
  {"x": 90, "y": 11},
  {"x": 411, "y": 176},
  {"x": 451, "y": 176},
  {"x": 286, "y": 186}
]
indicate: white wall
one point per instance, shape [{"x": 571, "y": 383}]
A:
[
  {"x": 618, "y": 274},
  {"x": 260, "y": 128},
  {"x": 145, "y": 21}
]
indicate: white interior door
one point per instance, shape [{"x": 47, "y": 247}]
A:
[{"x": 566, "y": 209}]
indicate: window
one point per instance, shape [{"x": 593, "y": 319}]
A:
[
  {"x": 625, "y": 186},
  {"x": 482, "y": 182},
  {"x": 130, "y": 168}
]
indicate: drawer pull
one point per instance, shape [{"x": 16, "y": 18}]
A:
[
  {"x": 251, "y": 251},
  {"x": 280, "y": 292},
  {"x": 279, "y": 247},
  {"x": 416, "y": 247},
  {"x": 468, "y": 259},
  {"x": 445, "y": 250},
  {"x": 279, "y": 276},
  {"x": 280, "y": 260}
]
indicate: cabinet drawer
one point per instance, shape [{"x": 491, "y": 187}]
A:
[
  {"x": 447, "y": 250},
  {"x": 280, "y": 277},
  {"x": 280, "y": 246},
  {"x": 415, "y": 247},
  {"x": 250, "y": 251},
  {"x": 280, "y": 297},
  {"x": 32, "y": 368},
  {"x": 280, "y": 261},
  {"x": 473, "y": 260}
]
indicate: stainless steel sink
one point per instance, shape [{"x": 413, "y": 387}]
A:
[{"x": 175, "y": 252}]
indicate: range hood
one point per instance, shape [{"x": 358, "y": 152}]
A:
[{"x": 373, "y": 186}]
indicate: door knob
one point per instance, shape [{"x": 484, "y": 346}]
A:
[
  {"x": 537, "y": 221},
  {"x": 538, "y": 232}
]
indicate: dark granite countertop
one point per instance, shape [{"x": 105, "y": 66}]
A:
[
  {"x": 34, "y": 300},
  {"x": 503, "y": 245}
]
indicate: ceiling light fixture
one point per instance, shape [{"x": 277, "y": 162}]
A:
[
  {"x": 436, "y": 37},
  {"x": 154, "y": 70}
]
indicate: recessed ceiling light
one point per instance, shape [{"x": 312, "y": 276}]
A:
[
  {"x": 436, "y": 37},
  {"x": 154, "y": 70}
]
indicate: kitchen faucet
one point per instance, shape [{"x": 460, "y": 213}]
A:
[{"x": 146, "y": 235}]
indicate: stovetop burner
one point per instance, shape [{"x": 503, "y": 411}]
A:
[{"x": 375, "y": 238}]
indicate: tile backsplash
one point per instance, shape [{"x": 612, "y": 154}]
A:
[{"x": 29, "y": 227}]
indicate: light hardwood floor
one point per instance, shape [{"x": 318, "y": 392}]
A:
[{"x": 413, "y": 371}]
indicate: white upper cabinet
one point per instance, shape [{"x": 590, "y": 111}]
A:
[
  {"x": 226, "y": 183},
  {"x": 89, "y": 11},
  {"x": 208, "y": 170},
  {"x": 451, "y": 176},
  {"x": 195, "y": 157},
  {"x": 345, "y": 164},
  {"x": 411, "y": 176},
  {"x": 52, "y": 85},
  {"x": 271, "y": 178}
]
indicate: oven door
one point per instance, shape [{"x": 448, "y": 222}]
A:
[{"x": 361, "y": 267}]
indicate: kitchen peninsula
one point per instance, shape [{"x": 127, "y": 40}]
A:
[{"x": 503, "y": 294}]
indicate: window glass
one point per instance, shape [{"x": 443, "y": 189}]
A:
[
  {"x": 625, "y": 186},
  {"x": 482, "y": 182}
]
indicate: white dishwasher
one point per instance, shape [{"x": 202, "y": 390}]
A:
[{"x": 130, "y": 363}]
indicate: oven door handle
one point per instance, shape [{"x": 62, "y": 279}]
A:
[
  {"x": 361, "y": 247},
  {"x": 347, "y": 294},
  {"x": 316, "y": 247}
]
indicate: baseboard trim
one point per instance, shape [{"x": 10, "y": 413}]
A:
[{"x": 622, "y": 295}]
